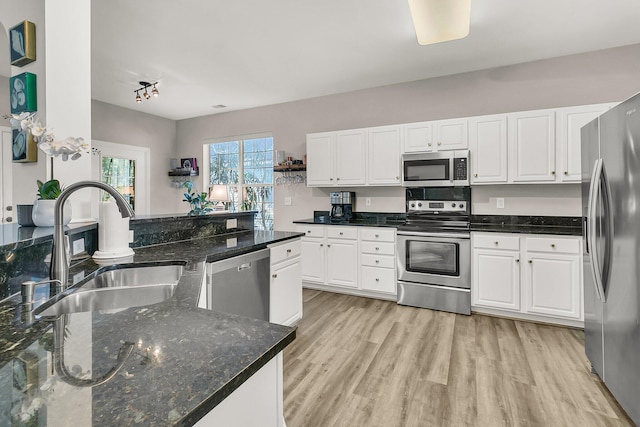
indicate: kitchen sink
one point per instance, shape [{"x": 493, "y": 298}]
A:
[{"x": 116, "y": 289}]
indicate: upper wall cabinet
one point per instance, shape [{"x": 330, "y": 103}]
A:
[
  {"x": 532, "y": 146},
  {"x": 383, "y": 166},
  {"x": 435, "y": 136},
  {"x": 336, "y": 158},
  {"x": 488, "y": 145}
]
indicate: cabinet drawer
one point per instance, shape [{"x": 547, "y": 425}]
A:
[
  {"x": 284, "y": 251},
  {"x": 378, "y": 279},
  {"x": 378, "y": 248},
  {"x": 311, "y": 230},
  {"x": 490, "y": 241},
  {"x": 377, "y": 235},
  {"x": 341, "y": 232},
  {"x": 553, "y": 245},
  {"x": 371, "y": 260}
]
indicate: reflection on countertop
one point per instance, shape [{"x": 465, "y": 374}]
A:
[
  {"x": 558, "y": 225},
  {"x": 370, "y": 219},
  {"x": 181, "y": 360}
]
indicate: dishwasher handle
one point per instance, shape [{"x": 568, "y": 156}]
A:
[{"x": 245, "y": 266}]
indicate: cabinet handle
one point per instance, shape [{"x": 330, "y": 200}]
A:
[
  {"x": 337, "y": 179},
  {"x": 496, "y": 243},
  {"x": 328, "y": 246},
  {"x": 274, "y": 276},
  {"x": 341, "y": 233},
  {"x": 377, "y": 280},
  {"x": 330, "y": 179},
  {"x": 429, "y": 144},
  {"x": 377, "y": 235},
  {"x": 377, "y": 261},
  {"x": 566, "y": 173},
  {"x": 517, "y": 260},
  {"x": 475, "y": 175},
  {"x": 377, "y": 249},
  {"x": 397, "y": 178},
  {"x": 288, "y": 251},
  {"x": 530, "y": 261},
  {"x": 439, "y": 143},
  {"x": 553, "y": 172},
  {"x": 553, "y": 245},
  {"x": 308, "y": 231},
  {"x": 321, "y": 245}
]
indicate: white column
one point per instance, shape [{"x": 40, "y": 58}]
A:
[{"x": 68, "y": 88}]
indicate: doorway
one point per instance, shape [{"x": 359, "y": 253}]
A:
[
  {"x": 126, "y": 168},
  {"x": 6, "y": 182}
]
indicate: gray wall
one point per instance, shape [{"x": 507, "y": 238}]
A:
[
  {"x": 605, "y": 76},
  {"x": 123, "y": 126}
]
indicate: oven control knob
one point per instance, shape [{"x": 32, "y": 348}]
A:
[
  {"x": 453, "y": 205},
  {"x": 413, "y": 205},
  {"x": 461, "y": 205},
  {"x": 419, "y": 205}
]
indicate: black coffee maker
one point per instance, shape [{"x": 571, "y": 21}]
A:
[{"x": 342, "y": 205}]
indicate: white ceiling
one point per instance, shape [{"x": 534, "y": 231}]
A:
[{"x": 249, "y": 53}]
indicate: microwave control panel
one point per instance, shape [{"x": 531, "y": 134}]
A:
[{"x": 460, "y": 168}]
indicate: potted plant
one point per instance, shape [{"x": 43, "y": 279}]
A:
[
  {"x": 44, "y": 207},
  {"x": 199, "y": 203}
]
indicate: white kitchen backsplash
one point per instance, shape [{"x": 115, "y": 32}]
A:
[{"x": 526, "y": 199}]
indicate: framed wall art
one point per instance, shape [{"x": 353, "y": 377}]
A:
[
  {"x": 23, "y": 90},
  {"x": 24, "y": 148},
  {"x": 22, "y": 41}
]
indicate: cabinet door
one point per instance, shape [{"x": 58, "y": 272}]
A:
[
  {"x": 313, "y": 260},
  {"x": 350, "y": 157},
  {"x": 384, "y": 156},
  {"x": 570, "y": 120},
  {"x": 488, "y": 145},
  {"x": 342, "y": 262},
  {"x": 495, "y": 280},
  {"x": 552, "y": 285},
  {"x": 320, "y": 159},
  {"x": 418, "y": 137},
  {"x": 451, "y": 135},
  {"x": 285, "y": 304},
  {"x": 532, "y": 146}
]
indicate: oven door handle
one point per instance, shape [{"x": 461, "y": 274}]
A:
[{"x": 427, "y": 234}]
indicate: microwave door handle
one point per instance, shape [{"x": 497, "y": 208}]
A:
[{"x": 451, "y": 171}]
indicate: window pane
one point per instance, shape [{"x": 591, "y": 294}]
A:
[
  {"x": 223, "y": 163},
  {"x": 120, "y": 174},
  {"x": 260, "y": 199}
]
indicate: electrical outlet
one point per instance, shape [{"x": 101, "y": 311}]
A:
[
  {"x": 78, "y": 246},
  {"x": 232, "y": 223},
  {"x": 287, "y": 201},
  {"x": 232, "y": 242},
  {"x": 500, "y": 202},
  {"x": 367, "y": 201},
  {"x": 131, "y": 236}
]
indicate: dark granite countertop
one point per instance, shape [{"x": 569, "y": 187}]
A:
[
  {"x": 559, "y": 225},
  {"x": 368, "y": 219},
  {"x": 185, "y": 360},
  {"x": 169, "y": 217}
]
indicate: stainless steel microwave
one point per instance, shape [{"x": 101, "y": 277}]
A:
[{"x": 441, "y": 169}]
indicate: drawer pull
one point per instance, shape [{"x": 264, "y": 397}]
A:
[
  {"x": 288, "y": 251},
  {"x": 566, "y": 173},
  {"x": 328, "y": 246},
  {"x": 377, "y": 249},
  {"x": 321, "y": 245},
  {"x": 496, "y": 243},
  {"x": 341, "y": 233},
  {"x": 274, "y": 276},
  {"x": 337, "y": 179},
  {"x": 530, "y": 261},
  {"x": 429, "y": 144},
  {"x": 439, "y": 143},
  {"x": 475, "y": 175},
  {"x": 553, "y": 245},
  {"x": 377, "y": 280},
  {"x": 330, "y": 179},
  {"x": 517, "y": 260},
  {"x": 377, "y": 261},
  {"x": 553, "y": 172}
]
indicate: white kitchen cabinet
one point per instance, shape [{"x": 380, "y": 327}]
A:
[
  {"x": 569, "y": 122},
  {"x": 384, "y": 163},
  {"x": 436, "y": 135},
  {"x": 320, "y": 159},
  {"x": 377, "y": 260},
  {"x": 342, "y": 262},
  {"x": 495, "y": 273},
  {"x": 537, "y": 277},
  {"x": 488, "y": 147},
  {"x": 313, "y": 253},
  {"x": 532, "y": 146},
  {"x": 285, "y": 292},
  {"x": 336, "y": 158},
  {"x": 552, "y": 277}
]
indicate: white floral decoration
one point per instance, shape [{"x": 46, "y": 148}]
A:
[{"x": 67, "y": 148}]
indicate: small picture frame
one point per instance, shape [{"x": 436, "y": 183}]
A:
[
  {"x": 22, "y": 43},
  {"x": 24, "y": 148},
  {"x": 189, "y": 163},
  {"x": 23, "y": 91}
]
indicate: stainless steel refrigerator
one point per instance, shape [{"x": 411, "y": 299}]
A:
[{"x": 611, "y": 231}]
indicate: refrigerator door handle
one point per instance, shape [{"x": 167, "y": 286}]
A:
[
  {"x": 594, "y": 195},
  {"x": 608, "y": 246}
]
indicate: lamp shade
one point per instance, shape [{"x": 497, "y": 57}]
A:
[
  {"x": 437, "y": 21},
  {"x": 219, "y": 193}
]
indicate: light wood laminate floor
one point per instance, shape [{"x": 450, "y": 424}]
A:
[{"x": 365, "y": 362}]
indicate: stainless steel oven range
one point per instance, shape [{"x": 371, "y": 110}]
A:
[{"x": 434, "y": 250}]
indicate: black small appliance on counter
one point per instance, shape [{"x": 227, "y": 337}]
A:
[{"x": 342, "y": 205}]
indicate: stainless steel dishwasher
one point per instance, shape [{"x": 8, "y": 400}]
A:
[{"x": 240, "y": 285}]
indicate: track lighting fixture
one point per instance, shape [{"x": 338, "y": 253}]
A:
[{"x": 145, "y": 87}]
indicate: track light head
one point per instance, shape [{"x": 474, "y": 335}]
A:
[
  {"x": 146, "y": 94},
  {"x": 138, "y": 98},
  {"x": 155, "y": 92},
  {"x": 145, "y": 87}
]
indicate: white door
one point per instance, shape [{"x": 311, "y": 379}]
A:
[
  {"x": 418, "y": 137},
  {"x": 451, "y": 135},
  {"x": 532, "y": 146},
  {"x": 384, "y": 156},
  {"x": 342, "y": 263},
  {"x": 351, "y": 157},
  {"x": 320, "y": 159},
  {"x": 495, "y": 280},
  {"x": 138, "y": 175},
  {"x": 488, "y": 146},
  {"x": 552, "y": 285},
  {"x": 313, "y": 265},
  {"x": 6, "y": 182},
  {"x": 286, "y": 293}
]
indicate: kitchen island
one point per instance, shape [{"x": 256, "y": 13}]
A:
[{"x": 181, "y": 361}]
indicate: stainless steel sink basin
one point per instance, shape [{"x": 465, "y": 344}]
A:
[{"x": 116, "y": 289}]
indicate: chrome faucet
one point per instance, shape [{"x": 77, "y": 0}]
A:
[{"x": 59, "y": 271}]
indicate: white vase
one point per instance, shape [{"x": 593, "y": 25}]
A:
[{"x": 44, "y": 213}]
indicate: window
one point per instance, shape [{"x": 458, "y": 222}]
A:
[
  {"x": 120, "y": 174},
  {"x": 246, "y": 167}
]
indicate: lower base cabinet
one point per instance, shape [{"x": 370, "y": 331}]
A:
[
  {"x": 536, "y": 277},
  {"x": 353, "y": 260},
  {"x": 258, "y": 402},
  {"x": 285, "y": 290}
]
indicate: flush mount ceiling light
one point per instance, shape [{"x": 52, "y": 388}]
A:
[
  {"x": 437, "y": 21},
  {"x": 145, "y": 87}
]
